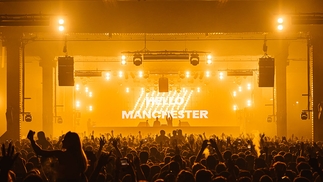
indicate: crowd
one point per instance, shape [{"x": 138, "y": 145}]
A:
[{"x": 175, "y": 157}]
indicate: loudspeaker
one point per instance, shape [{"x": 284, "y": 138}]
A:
[
  {"x": 266, "y": 72},
  {"x": 65, "y": 71},
  {"x": 163, "y": 84}
]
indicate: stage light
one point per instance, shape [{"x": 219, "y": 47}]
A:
[
  {"x": 90, "y": 94},
  {"x": 280, "y": 27},
  {"x": 234, "y": 93},
  {"x": 59, "y": 119},
  {"x": 248, "y": 86},
  {"x": 107, "y": 76},
  {"x": 198, "y": 89},
  {"x": 86, "y": 89},
  {"x": 234, "y": 107},
  {"x": 194, "y": 59},
  {"x": 61, "y": 28},
  {"x": 137, "y": 59},
  {"x": 304, "y": 115},
  {"x": 248, "y": 103},
  {"x": 280, "y": 23},
  {"x": 120, "y": 74},
  {"x": 28, "y": 117},
  {"x": 240, "y": 89},
  {"x": 90, "y": 108},
  {"x": 221, "y": 75},
  {"x": 78, "y": 104},
  {"x": 123, "y": 60},
  {"x": 209, "y": 59},
  {"x": 207, "y": 74},
  {"x": 127, "y": 89},
  {"x": 140, "y": 74},
  {"x": 77, "y": 87},
  {"x": 280, "y": 20},
  {"x": 61, "y": 23},
  {"x": 187, "y": 74}
]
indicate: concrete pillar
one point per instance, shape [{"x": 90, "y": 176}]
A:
[
  {"x": 317, "y": 42},
  {"x": 281, "y": 91},
  {"x": 12, "y": 42},
  {"x": 48, "y": 65}
]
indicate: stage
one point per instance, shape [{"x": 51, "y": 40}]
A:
[{"x": 209, "y": 130}]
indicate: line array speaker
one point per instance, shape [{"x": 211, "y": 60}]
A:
[
  {"x": 65, "y": 71},
  {"x": 266, "y": 72}
]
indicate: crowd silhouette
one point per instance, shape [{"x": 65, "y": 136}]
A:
[{"x": 175, "y": 157}]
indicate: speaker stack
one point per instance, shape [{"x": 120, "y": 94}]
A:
[
  {"x": 266, "y": 72},
  {"x": 65, "y": 71}
]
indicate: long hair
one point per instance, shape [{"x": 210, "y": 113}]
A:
[{"x": 75, "y": 147}]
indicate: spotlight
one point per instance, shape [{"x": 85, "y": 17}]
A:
[
  {"x": 123, "y": 60},
  {"x": 280, "y": 23},
  {"x": 59, "y": 119},
  {"x": 137, "y": 59},
  {"x": 28, "y": 117},
  {"x": 304, "y": 115},
  {"x": 209, "y": 59},
  {"x": 194, "y": 59},
  {"x": 61, "y": 26}
]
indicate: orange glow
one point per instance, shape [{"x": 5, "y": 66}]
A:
[
  {"x": 280, "y": 27},
  {"x": 120, "y": 74},
  {"x": 207, "y": 74},
  {"x": 78, "y": 104},
  {"x": 77, "y": 87},
  {"x": 107, "y": 76},
  {"x": 61, "y": 21},
  {"x": 61, "y": 28},
  {"x": 123, "y": 60},
  {"x": 280, "y": 20},
  {"x": 248, "y": 103},
  {"x": 248, "y": 86},
  {"x": 221, "y": 75},
  {"x": 187, "y": 74}
]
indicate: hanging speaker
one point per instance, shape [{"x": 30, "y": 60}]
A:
[
  {"x": 163, "y": 84},
  {"x": 65, "y": 71},
  {"x": 266, "y": 72}
]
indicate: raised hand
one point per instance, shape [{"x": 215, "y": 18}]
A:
[
  {"x": 8, "y": 158},
  {"x": 204, "y": 144},
  {"x": 102, "y": 141},
  {"x": 213, "y": 143},
  {"x": 30, "y": 135},
  {"x": 104, "y": 159},
  {"x": 115, "y": 143}
]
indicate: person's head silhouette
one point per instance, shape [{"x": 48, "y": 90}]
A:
[{"x": 72, "y": 142}]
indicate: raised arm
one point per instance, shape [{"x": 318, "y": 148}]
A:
[
  {"x": 203, "y": 147},
  {"x": 117, "y": 150},
  {"x": 38, "y": 150},
  {"x": 7, "y": 161},
  {"x": 215, "y": 147}
]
